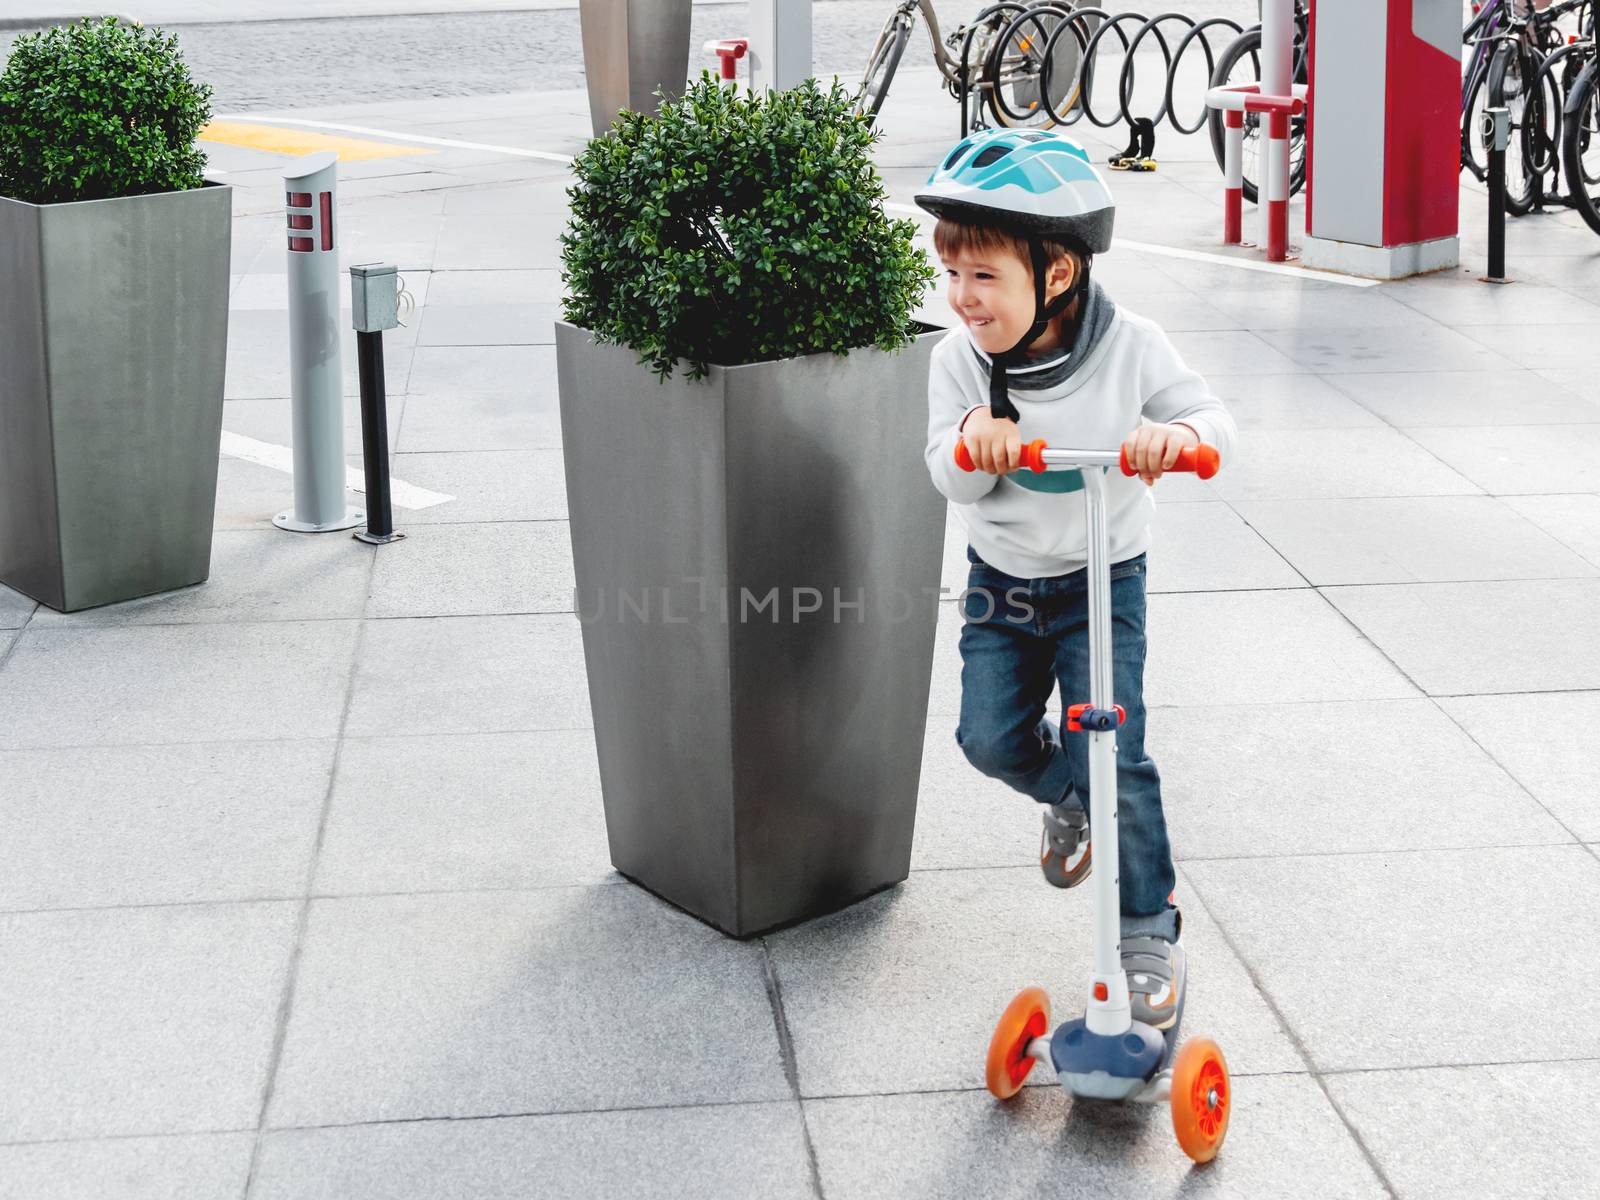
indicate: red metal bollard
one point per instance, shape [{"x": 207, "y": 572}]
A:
[{"x": 730, "y": 51}]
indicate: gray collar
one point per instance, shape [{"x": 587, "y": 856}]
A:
[{"x": 1048, "y": 372}]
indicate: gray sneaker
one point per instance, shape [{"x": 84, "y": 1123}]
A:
[
  {"x": 1156, "y": 970},
  {"x": 1064, "y": 849}
]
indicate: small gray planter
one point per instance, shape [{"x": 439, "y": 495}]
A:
[
  {"x": 113, "y": 346},
  {"x": 759, "y": 762},
  {"x": 631, "y": 48}
]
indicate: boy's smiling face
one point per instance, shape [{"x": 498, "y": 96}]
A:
[{"x": 992, "y": 292}]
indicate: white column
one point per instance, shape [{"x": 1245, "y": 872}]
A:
[{"x": 780, "y": 43}]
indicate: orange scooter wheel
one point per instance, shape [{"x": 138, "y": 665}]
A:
[
  {"x": 1201, "y": 1099},
  {"x": 1025, "y": 1018}
]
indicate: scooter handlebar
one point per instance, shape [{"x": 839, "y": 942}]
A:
[
  {"x": 1203, "y": 460},
  {"x": 1032, "y": 455}
]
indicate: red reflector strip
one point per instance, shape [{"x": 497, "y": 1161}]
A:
[
  {"x": 299, "y": 222},
  {"x": 300, "y": 245},
  {"x": 327, "y": 220},
  {"x": 1101, "y": 993},
  {"x": 299, "y": 199}
]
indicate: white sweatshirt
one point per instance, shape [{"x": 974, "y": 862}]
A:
[{"x": 1133, "y": 372}]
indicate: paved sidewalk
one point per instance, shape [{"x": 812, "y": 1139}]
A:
[{"x": 306, "y": 890}]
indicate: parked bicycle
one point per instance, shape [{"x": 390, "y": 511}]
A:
[
  {"x": 1519, "y": 60},
  {"x": 1580, "y": 127},
  {"x": 997, "y": 60}
]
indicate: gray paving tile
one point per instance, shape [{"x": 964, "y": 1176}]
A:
[
  {"x": 1407, "y": 960},
  {"x": 1232, "y": 353},
  {"x": 1288, "y": 402},
  {"x": 464, "y": 570},
  {"x": 1207, "y": 547},
  {"x": 1502, "y": 636},
  {"x": 1331, "y": 307},
  {"x": 1509, "y": 460},
  {"x": 558, "y": 1000},
  {"x": 1408, "y": 399},
  {"x": 470, "y": 675},
  {"x": 1449, "y": 1132},
  {"x": 1317, "y": 464},
  {"x": 483, "y": 370},
  {"x": 249, "y": 495},
  {"x": 520, "y": 198},
  {"x": 139, "y": 1020},
  {"x": 258, "y": 357},
  {"x": 1177, "y": 312},
  {"x": 188, "y": 1167},
  {"x": 256, "y": 575},
  {"x": 688, "y": 1153},
  {"x": 1411, "y": 539},
  {"x": 499, "y": 485},
  {"x": 964, "y": 818},
  {"x": 1283, "y": 779},
  {"x": 159, "y": 825},
  {"x": 271, "y": 419},
  {"x": 901, "y": 992},
  {"x": 490, "y": 325},
  {"x": 1548, "y": 745},
  {"x": 139, "y": 685},
  {"x": 496, "y": 421},
  {"x": 1544, "y": 345},
  {"x": 449, "y": 289},
  {"x": 1285, "y": 1142},
  {"x": 1470, "y": 303},
  {"x": 1259, "y": 648},
  {"x": 504, "y": 810},
  {"x": 15, "y": 608},
  {"x": 1383, "y": 348},
  {"x": 467, "y": 243},
  {"x": 1573, "y": 520}
]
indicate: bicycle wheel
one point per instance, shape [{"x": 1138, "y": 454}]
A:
[
  {"x": 881, "y": 64},
  {"x": 1472, "y": 106},
  {"x": 1026, "y": 64},
  {"x": 1507, "y": 86},
  {"x": 1580, "y": 145},
  {"x": 1241, "y": 63}
]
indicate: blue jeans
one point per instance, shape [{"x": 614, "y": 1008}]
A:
[{"x": 1021, "y": 638}]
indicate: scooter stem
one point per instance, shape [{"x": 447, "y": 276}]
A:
[{"x": 1108, "y": 1012}]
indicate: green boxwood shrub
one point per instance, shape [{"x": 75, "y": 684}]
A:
[
  {"x": 97, "y": 109},
  {"x": 735, "y": 227}
]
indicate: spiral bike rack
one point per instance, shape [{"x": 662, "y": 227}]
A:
[{"x": 1073, "y": 39}]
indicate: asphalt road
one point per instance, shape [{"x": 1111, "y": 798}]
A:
[{"x": 275, "y": 65}]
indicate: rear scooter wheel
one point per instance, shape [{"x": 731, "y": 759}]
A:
[
  {"x": 1025, "y": 1018},
  {"x": 1201, "y": 1098}
]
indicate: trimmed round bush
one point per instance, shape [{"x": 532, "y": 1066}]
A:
[
  {"x": 735, "y": 227},
  {"x": 97, "y": 109}
]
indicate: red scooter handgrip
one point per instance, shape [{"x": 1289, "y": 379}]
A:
[
  {"x": 1032, "y": 455},
  {"x": 1203, "y": 460}
]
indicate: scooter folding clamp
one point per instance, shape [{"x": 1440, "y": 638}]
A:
[{"x": 1087, "y": 716}]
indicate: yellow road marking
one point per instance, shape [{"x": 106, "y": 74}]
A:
[{"x": 302, "y": 141}]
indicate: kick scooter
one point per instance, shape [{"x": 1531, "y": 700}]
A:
[{"x": 1106, "y": 1054}]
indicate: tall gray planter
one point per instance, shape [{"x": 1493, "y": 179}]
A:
[
  {"x": 113, "y": 345},
  {"x": 758, "y": 767},
  {"x": 631, "y": 48}
]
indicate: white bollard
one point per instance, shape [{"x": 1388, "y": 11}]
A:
[{"x": 316, "y": 377}]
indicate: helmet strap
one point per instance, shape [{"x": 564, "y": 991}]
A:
[{"x": 1000, "y": 405}]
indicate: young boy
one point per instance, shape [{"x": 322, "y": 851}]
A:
[{"x": 1043, "y": 353}]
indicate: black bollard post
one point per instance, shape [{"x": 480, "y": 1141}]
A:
[{"x": 375, "y": 307}]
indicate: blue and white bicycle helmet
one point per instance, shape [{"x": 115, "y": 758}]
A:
[{"x": 1038, "y": 185}]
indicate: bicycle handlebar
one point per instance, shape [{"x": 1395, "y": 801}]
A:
[{"x": 1203, "y": 460}]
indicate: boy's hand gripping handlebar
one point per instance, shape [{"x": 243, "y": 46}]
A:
[{"x": 1203, "y": 460}]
